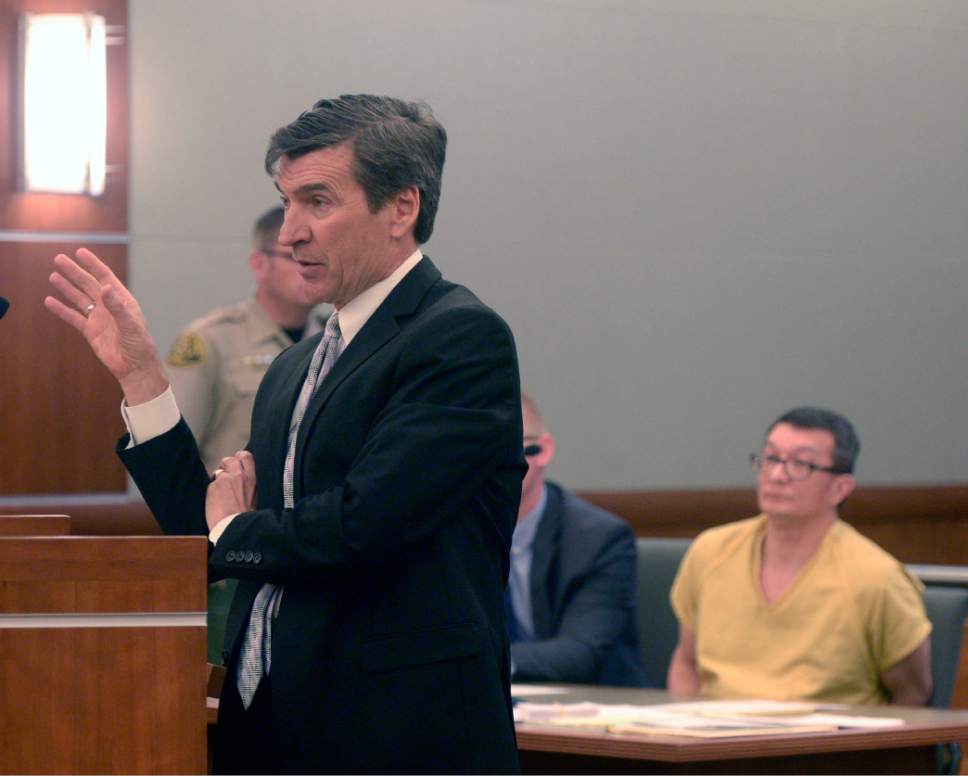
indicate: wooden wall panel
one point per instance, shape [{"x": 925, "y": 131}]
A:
[
  {"x": 59, "y": 408},
  {"x": 64, "y": 212},
  {"x": 915, "y": 523},
  {"x": 59, "y": 414},
  {"x": 34, "y": 525},
  {"x": 117, "y": 517}
]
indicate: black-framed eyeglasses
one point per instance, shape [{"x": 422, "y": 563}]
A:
[
  {"x": 277, "y": 253},
  {"x": 794, "y": 468},
  {"x": 532, "y": 448}
]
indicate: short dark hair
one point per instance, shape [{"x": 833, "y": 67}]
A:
[
  {"x": 265, "y": 231},
  {"x": 396, "y": 144},
  {"x": 846, "y": 441}
]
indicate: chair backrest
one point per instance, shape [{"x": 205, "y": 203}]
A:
[
  {"x": 947, "y": 607},
  {"x": 658, "y": 562}
]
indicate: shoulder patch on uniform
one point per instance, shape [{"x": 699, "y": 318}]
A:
[{"x": 188, "y": 350}]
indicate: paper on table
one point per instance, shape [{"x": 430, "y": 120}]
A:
[
  {"x": 652, "y": 720},
  {"x": 599, "y": 714},
  {"x": 717, "y": 730},
  {"x": 840, "y": 720},
  {"x": 759, "y": 708},
  {"x": 692, "y": 718},
  {"x": 553, "y": 712},
  {"x": 792, "y": 712},
  {"x": 522, "y": 690}
]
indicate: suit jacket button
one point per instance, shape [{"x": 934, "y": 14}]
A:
[
  {"x": 257, "y": 557},
  {"x": 230, "y": 556},
  {"x": 248, "y": 556}
]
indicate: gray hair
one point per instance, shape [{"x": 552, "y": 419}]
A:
[{"x": 396, "y": 144}]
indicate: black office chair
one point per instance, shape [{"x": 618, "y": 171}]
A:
[
  {"x": 658, "y": 562},
  {"x": 947, "y": 608}
]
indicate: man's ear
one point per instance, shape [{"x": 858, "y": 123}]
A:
[
  {"x": 404, "y": 209},
  {"x": 842, "y": 486},
  {"x": 543, "y": 459},
  {"x": 259, "y": 264}
]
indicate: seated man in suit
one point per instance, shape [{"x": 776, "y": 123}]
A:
[
  {"x": 572, "y": 583},
  {"x": 795, "y": 604}
]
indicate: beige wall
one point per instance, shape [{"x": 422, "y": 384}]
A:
[{"x": 693, "y": 214}]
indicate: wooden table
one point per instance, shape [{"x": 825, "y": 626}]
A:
[{"x": 907, "y": 749}]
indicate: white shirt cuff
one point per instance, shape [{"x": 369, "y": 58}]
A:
[
  {"x": 216, "y": 533},
  {"x": 151, "y": 418}
]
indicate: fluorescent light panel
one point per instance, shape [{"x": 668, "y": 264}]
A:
[{"x": 64, "y": 69}]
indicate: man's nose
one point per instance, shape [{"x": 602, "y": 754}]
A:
[
  {"x": 777, "y": 471},
  {"x": 293, "y": 230}
]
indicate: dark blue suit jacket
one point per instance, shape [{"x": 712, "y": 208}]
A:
[
  {"x": 389, "y": 652},
  {"x": 582, "y": 598}
]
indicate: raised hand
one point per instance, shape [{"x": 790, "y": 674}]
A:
[{"x": 110, "y": 319}]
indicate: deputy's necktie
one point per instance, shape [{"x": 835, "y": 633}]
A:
[{"x": 255, "y": 659}]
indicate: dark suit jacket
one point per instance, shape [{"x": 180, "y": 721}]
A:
[
  {"x": 389, "y": 650},
  {"x": 582, "y": 598}
]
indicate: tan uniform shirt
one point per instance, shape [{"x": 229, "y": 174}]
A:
[{"x": 215, "y": 366}]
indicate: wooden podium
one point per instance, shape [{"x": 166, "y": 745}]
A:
[
  {"x": 35, "y": 525},
  {"x": 102, "y": 654}
]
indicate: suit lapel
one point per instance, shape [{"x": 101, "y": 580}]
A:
[
  {"x": 385, "y": 324},
  {"x": 545, "y": 550}
]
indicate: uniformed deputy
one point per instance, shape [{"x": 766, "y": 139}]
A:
[{"x": 216, "y": 364}]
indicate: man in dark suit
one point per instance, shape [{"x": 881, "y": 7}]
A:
[
  {"x": 572, "y": 584},
  {"x": 370, "y": 517}
]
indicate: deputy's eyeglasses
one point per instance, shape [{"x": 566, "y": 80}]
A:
[
  {"x": 794, "y": 468},
  {"x": 277, "y": 253}
]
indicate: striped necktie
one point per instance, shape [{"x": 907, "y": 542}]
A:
[{"x": 255, "y": 659}]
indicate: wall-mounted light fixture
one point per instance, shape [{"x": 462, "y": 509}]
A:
[{"x": 64, "y": 102}]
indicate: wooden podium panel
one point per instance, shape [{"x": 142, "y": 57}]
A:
[
  {"x": 102, "y": 654},
  {"x": 35, "y": 525}
]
